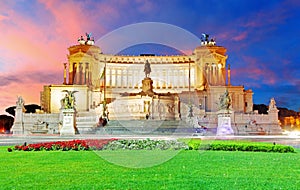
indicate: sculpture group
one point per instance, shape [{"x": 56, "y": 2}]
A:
[
  {"x": 68, "y": 102},
  {"x": 225, "y": 101}
]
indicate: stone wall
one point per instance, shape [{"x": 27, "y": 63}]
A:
[{"x": 39, "y": 123}]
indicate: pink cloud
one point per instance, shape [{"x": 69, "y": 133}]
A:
[
  {"x": 266, "y": 18},
  {"x": 240, "y": 36},
  {"x": 3, "y": 17},
  {"x": 187, "y": 51},
  {"x": 33, "y": 52},
  {"x": 32, "y": 46},
  {"x": 28, "y": 91},
  {"x": 68, "y": 18},
  {"x": 26, "y": 44},
  {"x": 255, "y": 71},
  {"x": 108, "y": 8},
  {"x": 145, "y": 5}
]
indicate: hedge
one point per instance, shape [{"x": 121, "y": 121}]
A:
[{"x": 227, "y": 145}]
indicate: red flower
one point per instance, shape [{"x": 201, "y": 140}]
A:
[{"x": 88, "y": 144}]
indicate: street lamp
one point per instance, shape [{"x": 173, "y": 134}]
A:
[{"x": 190, "y": 115}]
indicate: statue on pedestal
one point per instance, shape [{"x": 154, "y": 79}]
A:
[
  {"x": 225, "y": 101},
  {"x": 224, "y": 115},
  {"x": 272, "y": 104},
  {"x": 20, "y": 102},
  {"x": 68, "y": 102},
  {"x": 147, "y": 69},
  {"x": 68, "y": 114}
]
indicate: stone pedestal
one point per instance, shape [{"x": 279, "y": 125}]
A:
[
  {"x": 68, "y": 125},
  {"x": 147, "y": 86},
  {"x": 224, "y": 123},
  {"x": 18, "y": 126}
]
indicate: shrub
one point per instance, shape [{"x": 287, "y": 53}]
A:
[
  {"x": 194, "y": 144},
  {"x": 146, "y": 144},
  {"x": 229, "y": 145},
  {"x": 249, "y": 146}
]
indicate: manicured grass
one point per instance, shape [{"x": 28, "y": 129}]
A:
[{"x": 185, "y": 170}]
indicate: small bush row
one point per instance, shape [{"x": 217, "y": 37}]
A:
[
  {"x": 198, "y": 144},
  {"x": 253, "y": 147}
]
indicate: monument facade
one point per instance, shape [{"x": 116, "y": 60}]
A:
[{"x": 144, "y": 87}]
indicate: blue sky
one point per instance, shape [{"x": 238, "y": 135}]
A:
[{"x": 261, "y": 36}]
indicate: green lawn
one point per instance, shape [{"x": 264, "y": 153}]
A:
[{"x": 179, "y": 170}]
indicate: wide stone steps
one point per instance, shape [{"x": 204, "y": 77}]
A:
[{"x": 148, "y": 127}]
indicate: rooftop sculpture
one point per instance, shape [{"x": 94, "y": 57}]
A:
[
  {"x": 205, "y": 41},
  {"x": 88, "y": 41}
]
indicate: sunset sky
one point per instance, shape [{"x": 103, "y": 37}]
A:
[{"x": 262, "y": 38}]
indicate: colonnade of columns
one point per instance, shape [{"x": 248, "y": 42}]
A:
[
  {"x": 79, "y": 73},
  {"x": 162, "y": 78},
  {"x": 215, "y": 74}
]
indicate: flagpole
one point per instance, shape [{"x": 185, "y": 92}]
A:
[
  {"x": 104, "y": 90},
  {"x": 190, "y": 104}
]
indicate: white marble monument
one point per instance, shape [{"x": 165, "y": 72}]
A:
[
  {"x": 18, "y": 127},
  {"x": 224, "y": 113},
  {"x": 68, "y": 114}
]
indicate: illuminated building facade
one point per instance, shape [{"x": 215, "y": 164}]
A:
[{"x": 194, "y": 84}]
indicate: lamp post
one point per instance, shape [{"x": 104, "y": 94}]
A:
[
  {"x": 104, "y": 90},
  {"x": 190, "y": 115}
]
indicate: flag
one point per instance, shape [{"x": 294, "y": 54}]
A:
[
  {"x": 103, "y": 74},
  {"x": 102, "y": 79}
]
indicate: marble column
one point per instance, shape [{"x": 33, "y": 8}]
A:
[
  {"x": 71, "y": 74},
  {"x": 77, "y": 74},
  {"x": 110, "y": 77},
  {"x": 86, "y": 77},
  {"x": 116, "y": 78},
  {"x": 80, "y": 73},
  {"x": 208, "y": 68},
  {"x": 65, "y": 73},
  {"x": 127, "y": 84}
]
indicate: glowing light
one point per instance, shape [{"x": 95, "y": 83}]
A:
[{"x": 294, "y": 133}]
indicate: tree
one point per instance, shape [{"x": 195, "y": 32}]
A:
[
  {"x": 30, "y": 108},
  {"x": 283, "y": 112},
  {"x": 262, "y": 108},
  {"x": 6, "y": 122}
]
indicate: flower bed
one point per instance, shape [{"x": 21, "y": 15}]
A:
[
  {"x": 90, "y": 144},
  {"x": 148, "y": 144}
]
